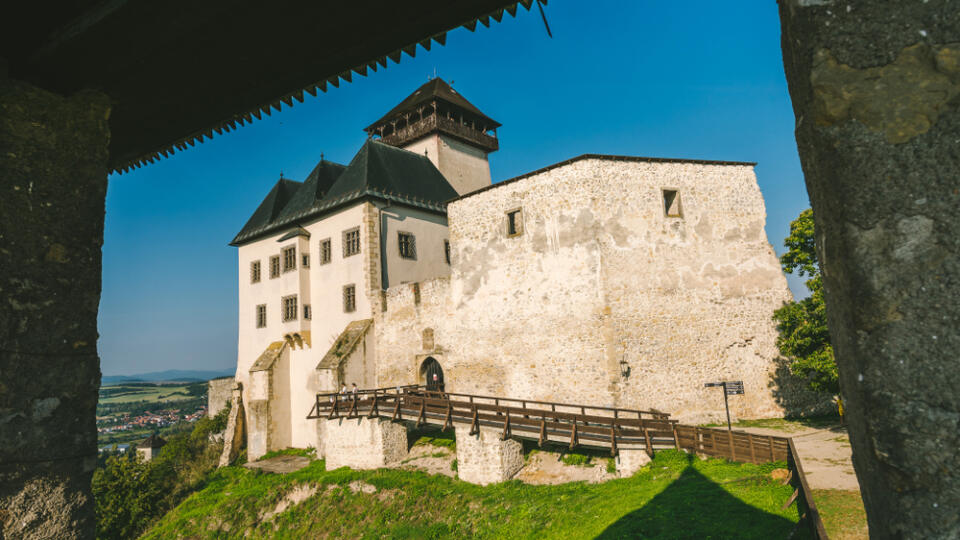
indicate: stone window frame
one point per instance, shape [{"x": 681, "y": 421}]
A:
[
  {"x": 517, "y": 222},
  {"x": 289, "y": 254},
  {"x": 351, "y": 242},
  {"x": 261, "y": 315},
  {"x": 349, "y": 298},
  {"x": 288, "y": 308},
  {"x": 274, "y": 266},
  {"x": 304, "y": 260},
  {"x": 255, "y": 271},
  {"x": 446, "y": 251},
  {"x": 409, "y": 240},
  {"x": 307, "y": 312},
  {"x": 326, "y": 251},
  {"x": 676, "y": 201}
]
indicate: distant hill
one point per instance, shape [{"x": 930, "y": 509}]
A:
[{"x": 179, "y": 375}]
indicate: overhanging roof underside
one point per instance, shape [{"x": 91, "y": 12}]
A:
[{"x": 180, "y": 71}]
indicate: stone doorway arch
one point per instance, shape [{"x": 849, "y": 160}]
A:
[{"x": 431, "y": 374}]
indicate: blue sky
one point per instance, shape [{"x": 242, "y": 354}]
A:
[{"x": 696, "y": 79}]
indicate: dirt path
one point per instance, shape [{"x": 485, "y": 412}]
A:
[{"x": 824, "y": 453}]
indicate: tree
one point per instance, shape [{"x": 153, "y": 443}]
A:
[{"x": 804, "y": 338}]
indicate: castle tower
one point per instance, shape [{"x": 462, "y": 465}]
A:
[{"x": 437, "y": 121}]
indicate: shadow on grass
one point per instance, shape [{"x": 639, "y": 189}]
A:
[{"x": 694, "y": 506}]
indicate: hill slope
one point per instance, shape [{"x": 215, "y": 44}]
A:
[
  {"x": 676, "y": 496},
  {"x": 186, "y": 375}
]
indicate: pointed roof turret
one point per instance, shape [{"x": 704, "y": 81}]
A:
[{"x": 436, "y": 107}]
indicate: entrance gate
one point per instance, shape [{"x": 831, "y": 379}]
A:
[{"x": 433, "y": 374}]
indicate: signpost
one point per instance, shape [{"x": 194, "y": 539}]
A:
[{"x": 730, "y": 388}]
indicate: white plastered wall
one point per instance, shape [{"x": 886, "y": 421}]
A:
[
  {"x": 430, "y": 231},
  {"x": 464, "y": 166}
]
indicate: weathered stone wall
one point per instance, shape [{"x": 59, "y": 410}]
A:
[
  {"x": 363, "y": 443},
  {"x": 53, "y": 180},
  {"x": 601, "y": 275},
  {"x": 484, "y": 458},
  {"x": 219, "y": 392}
]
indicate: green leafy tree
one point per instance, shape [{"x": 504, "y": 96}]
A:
[{"x": 804, "y": 338}]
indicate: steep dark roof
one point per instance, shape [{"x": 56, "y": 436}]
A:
[
  {"x": 433, "y": 89},
  {"x": 378, "y": 171},
  {"x": 272, "y": 205},
  {"x": 314, "y": 188},
  {"x": 384, "y": 168}
]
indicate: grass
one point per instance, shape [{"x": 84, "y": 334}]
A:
[
  {"x": 842, "y": 513},
  {"x": 437, "y": 438},
  {"x": 579, "y": 460},
  {"x": 676, "y": 496},
  {"x": 788, "y": 425},
  {"x": 303, "y": 452}
]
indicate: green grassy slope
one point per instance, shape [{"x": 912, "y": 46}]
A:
[{"x": 676, "y": 496}]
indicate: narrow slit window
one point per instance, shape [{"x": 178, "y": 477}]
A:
[
  {"x": 349, "y": 298},
  {"x": 515, "y": 222},
  {"x": 306, "y": 312},
  {"x": 255, "y": 272},
  {"x": 305, "y": 261},
  {"x": 325, "y": 251},
  {"x": 289, "y": 308},
  {"x": 671, "y": 203},
  {"x": 262, "y": 316},
  {"x": 446, "y": 251},
  {"x": 408, "y": 245},
  {"x": 274, "y": 266}
]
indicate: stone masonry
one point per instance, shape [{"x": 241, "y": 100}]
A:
[
  {"x": 219, "y": 393},
  {"x": 363, "y": 443},
  {"x": 601, "y": 279},
  {"x": 486, "y": 459}
]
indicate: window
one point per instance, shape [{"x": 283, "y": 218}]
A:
[
  {"x": 515, "y": 222},
  {"x": 274, "y": 266},
  {"x": 289, "y": 258},
  {"x": 446, "y": 251},
  {"x": 349, "y": 298},
  {"x": 351, "y": 242},
  {"x": 671, "y": 203},
  {"x": 289, "y": 308},
  {"x": 408, "y": 245},
  {"x": 305, "y": 261},
  {"x": 306, "y": 311},
  {"x": 262, "y": 316},
  {"x": 255, "y": 272},
  {"x": 325, "y": 251}
]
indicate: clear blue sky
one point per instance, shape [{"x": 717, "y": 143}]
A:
[{"x": 697, "y": 79}]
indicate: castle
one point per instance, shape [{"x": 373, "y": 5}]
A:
[{"x": 605, "y": 280}]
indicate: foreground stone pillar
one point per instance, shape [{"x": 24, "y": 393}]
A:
[
  {"x": 363, "y": 443},
  {"x": 235, "y": 436},
  {"x": 631, "y": 460},
  {"x": 876, "y": 89},
  {"x": 484, "y": 458},
  {"x": 53, "y": 180}
]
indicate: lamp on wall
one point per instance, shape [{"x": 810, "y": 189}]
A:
[{"x": 624, "y": 367}]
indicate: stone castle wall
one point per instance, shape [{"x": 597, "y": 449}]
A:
[
  {"x": 600, "y": 276},
  {"x": 219, "y": 392}
]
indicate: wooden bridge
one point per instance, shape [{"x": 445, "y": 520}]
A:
[{"x": 568, "y": 424}]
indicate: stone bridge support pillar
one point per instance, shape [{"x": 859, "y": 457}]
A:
[
  {"x": 631, "y": 460},
  {"x": 486, "y": 459},
  {"x": 53, "y": 181},
  {"x": 876, "y": 95},
  {"x": 363, "y": 443}
]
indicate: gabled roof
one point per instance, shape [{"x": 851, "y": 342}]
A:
[
  {"x": 434, "y": 89},
  {"x": 311, "y": 193},
  {"x": 271, "y": 206},
  {"x": 377, "y": 171},
  {"x": 387, "y": 169},
  {"x": 153, "y": 441}
]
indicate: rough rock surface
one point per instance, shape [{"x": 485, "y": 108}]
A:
[
  {"x": 53, "y": 180},
  {"x": 875, "y": 92}
]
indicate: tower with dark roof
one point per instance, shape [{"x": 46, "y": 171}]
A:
[{"x": 455, "y": 135}]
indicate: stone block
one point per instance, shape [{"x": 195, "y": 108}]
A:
[
  {"x": 363, "y": 443},
  {"x": 630, "y": 461},
  {"x": 486, "y": 459}
]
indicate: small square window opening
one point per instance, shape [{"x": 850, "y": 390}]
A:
[
  {"x": 671, "y": 203},
  {"x": 289, "y": 259},
  {"x": 274, "y": 266},
  {"x": 351, "y": 242},
  {"x": 515, "y": 222},
  {"x": 305, "y": 261}
]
